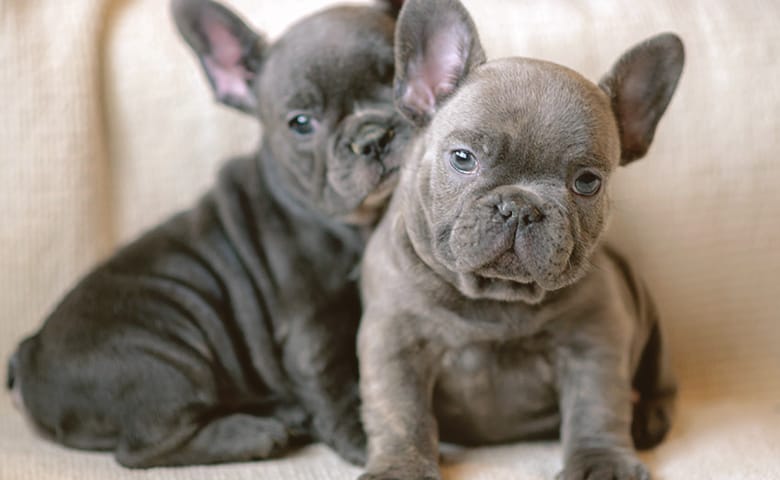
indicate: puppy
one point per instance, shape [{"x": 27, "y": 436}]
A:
[
  {"x": 227, "y": 333},
  {"x": 491, "y": 311}
]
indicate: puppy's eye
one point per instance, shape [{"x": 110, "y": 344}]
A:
[
  {"x": 463, "y": 161},
  {"x": 587, "y": 184},
  {"x": 301, "y": 124}
]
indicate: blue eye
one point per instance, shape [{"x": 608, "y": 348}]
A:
[
  {"x": 587, "y": 184},
  {"x": 301, "y": 124},
  {"x": 463, "y": 161}
]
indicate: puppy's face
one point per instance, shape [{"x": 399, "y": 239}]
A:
[
  {"x": 517, "y": 153},
  {"x": 323, "y": 92},
  {"x": 516, "y": 164}
]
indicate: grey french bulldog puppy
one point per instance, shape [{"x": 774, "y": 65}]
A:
[
  {"x": 228, "y": 332},
  {"x": 492, "y": 312}
]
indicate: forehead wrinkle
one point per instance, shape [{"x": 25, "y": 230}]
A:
[
  {"x": 547, "y": 111},
  {"x": 347, "y": 38},
  {"x": 356, "y": 40},
  {"x": 305, "y": 98}
]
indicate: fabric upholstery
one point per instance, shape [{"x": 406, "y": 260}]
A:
[{"x": 107, "y": 126}]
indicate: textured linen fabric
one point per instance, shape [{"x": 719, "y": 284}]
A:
[{"x": 107, "y": 126}]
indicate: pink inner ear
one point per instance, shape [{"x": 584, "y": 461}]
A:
[
  {"x": 224, "y": 61},
  {"x": 228, "y": 82},
  {"x": 418, "y": 96},
  {"x": 435, "y": 72},
  {"x": 450, "y": 58}
]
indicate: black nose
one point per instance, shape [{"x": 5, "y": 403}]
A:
[
  {"x": 372, "y": 141},
  {"x": 523, "y": 212}
]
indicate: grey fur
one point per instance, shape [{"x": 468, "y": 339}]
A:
[
  {"x": 492, "y": 311},
  {"x": 227, "y": 333}
]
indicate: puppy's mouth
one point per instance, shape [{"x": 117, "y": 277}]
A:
[
  {"x": 525, "y": 267},
  {"x": 494, "y": 283},
  {"x": 507, "y": 268},
  {"x": 516, "y": 271},
  {"x": 530, "y": 292}
]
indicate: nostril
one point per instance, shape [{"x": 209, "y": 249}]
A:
[
  {"x": 532, "y": 215},
  {"x": 364, "y": 149},
  {"x": 386, "y": 138},
  {"x": 368, "y": 150},
  {"x": 372, "y": 142},
  {"x": 507, "y": 209}
]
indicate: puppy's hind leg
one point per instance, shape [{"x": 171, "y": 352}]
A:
[
  {"x": 232, "y": 437},
  {"x": 657, "y": 390},
  {"x": 153, "y": 404},
  {"x": 11, "y": 383}
]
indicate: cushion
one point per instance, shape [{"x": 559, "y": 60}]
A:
[{"x": 108, "y": 126}]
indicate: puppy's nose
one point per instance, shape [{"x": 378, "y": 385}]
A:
[
  {"x": 523, "y": 212},
  {"x": 372, "y": 141}
]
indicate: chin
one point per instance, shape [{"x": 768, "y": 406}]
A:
[
  {"x": 479, "y": 287},
  {"x": 507, "y": 278}
]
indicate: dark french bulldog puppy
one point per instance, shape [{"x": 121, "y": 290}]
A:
[
  {"x": 228, "y": 332},
  {"x": 492, "y": 313}
]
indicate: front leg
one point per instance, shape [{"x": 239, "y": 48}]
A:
[
  {"x": 396, "y": 386},
  {"x": 595, "y": 404},
  {"x": 321, "y": 361}
]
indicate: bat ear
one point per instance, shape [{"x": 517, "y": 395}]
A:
[
  {"x": 230, "y": 52},
  {"x": 436, "y": 45},
  {"x": 640, "y": 85}
]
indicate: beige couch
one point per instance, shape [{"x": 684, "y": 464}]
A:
[{"x": 107, "y": 126}]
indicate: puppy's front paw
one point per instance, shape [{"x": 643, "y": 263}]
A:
[
  {"x": 348, "y": 439},
  {"x": 397, "y": 475},
  {"x": 403, "y": 469},
  {"x": 651, "y": 421},
  {"x": 604, "y": 464},
  {"x": 351, "y": 445}
]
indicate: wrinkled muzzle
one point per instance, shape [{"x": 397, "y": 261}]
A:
[
  {"x": 364, "y": 157},
  {"x": 514, "y": 234}
]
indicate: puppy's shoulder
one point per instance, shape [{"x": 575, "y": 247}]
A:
[
  {"x": 626, "y": 272},
  {"x": 622, "y": 281}
]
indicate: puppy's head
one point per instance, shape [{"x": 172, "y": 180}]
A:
[
  {"x": 517, "y": 153},
  {"x": 323, "y": 92}
]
